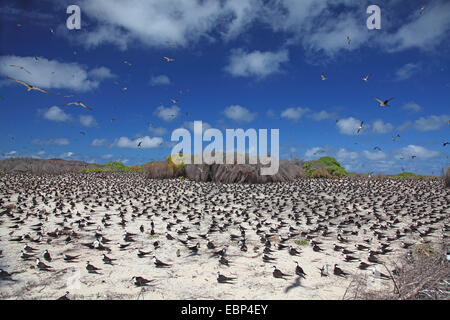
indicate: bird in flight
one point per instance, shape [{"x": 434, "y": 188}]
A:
[
  {"x": 422, "y": 9},
  {"x": 82, "y": 132},
  {"x": 29, "y": 87},
  {"x": 52, "y": 31},
  {"x": 168, "y": 59},
  {"x": 174, "y": 100},
  {"x": 377, "y": 148},
  {"x": 393, "y": 138},
  {"x": 20, "y": 67},
  {"x": 445, "y": 143},
  {"x": 349, "y": 40},
  {"x": 413, "y": 157},
  {"x": 383, "y": 103},
  {"x": 323, "y": 76},
  {"x": 366, "y": 79},
  {"x": 139, "y": 144},
  {"x": 128, "y": 63},
  {"x": 78, "y": 103},
  {"x": 360, "y": 126}
]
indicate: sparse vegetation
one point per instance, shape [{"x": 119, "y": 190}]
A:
[{"x": 302, "y": 242}]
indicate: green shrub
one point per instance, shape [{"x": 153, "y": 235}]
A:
[
  {"x": 321, "y": 173},
  {"x": 329, "y": 164},
  {"x": 302, "y": 242}
]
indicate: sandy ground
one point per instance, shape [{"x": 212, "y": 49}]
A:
[{"x": 189, "y": 277}]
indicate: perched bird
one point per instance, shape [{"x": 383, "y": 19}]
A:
[
  {"x": 91, "y": 269},
  {"x": 29, "y": 87},
  {"x": 64, "y": 297},
  {"x": 383, "y": 103},
  {"x": 47, "y": 256},
  {"x": 159, "y": 263},
  {"x": 108, "y": 260},
  {"x": 223, "y": 279},
  {"x": 42, "y": 266},
  {"x": 278, "y": 274},
  {"x": 299, "y": 271},
  {"x": 78, "y": 103},
  {"x": 140, "y": 282},
  {"x": 324, "y": 271},
  {"x": 339, "y": 272},
  {"x": 69, "y": 258}
]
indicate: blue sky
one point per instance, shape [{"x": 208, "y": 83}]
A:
[{"x": 238, "y": 64}]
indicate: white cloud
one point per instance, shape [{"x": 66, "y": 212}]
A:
[
  {"x": 424, "y": 31},
  {"x": 418, "y": 151},
  {"x": 190, "y": 125},
  {"x": 322, "y": 115},
  {"x": 167, "y": 114},
  {"x": 239, "y": 114},
  {"x": 407, "y": 71},
  {"x": 431, "y": 123},
  {"x": 294, "y": 113},
  {"x": 374, "y": 155},
  {"x": 146, "y": 142},
  {"x": 98, "y": 142},
  {"x": 52, "y": 74},
  {"x": 160, "y": 80},
  {"x": 344, "y": 154},
  {"x": 315, "y": 152},
  {"x": 59, "y": 142},
  {"x": 255, "y": 64},
  {"x": 379, "y": 126},
  {"x": 67, "y": 154},
  {"x": 412, "y": 107},
  {"x": 55, "y": 114},
  {"x": 160, "y": 131},
  {"x": 88, "y": 121},
  {"x": 349, "y": 126},
  {"x": 107, "y": 156}
]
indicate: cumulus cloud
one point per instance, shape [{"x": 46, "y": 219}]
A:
[
  {"x": 167, "y": 114},
  {"x": 146, "y": 142},
  {"x": 159, "y": 131},
  {"x": 190, "y": 125},
  {"x": 431, "y": 123},
  {"x": 407, "y": 71},
  {"x": 55, "y": 114},
  {"x": 255, "y": 64},
  {"x": 418, "y": 151},
  {"x": 88, "y": 121},
  {"x": 412, "y": 107},
  {"x": 315, "y": 153},
  {"x": 59, "y": 142},
  {"x": 349, "y": 126},
  {"x": 322, "y": 115},
  {"x": 239, "y": 114},
  {"x": 52, "y": 74},
  {"x": 98, "y": 142},
  {"x": 160, "y": 80},
  {"x": 379, "y": 126},
  {"x": 374, "y": 155},
  {"x": 294, "y": 113}
]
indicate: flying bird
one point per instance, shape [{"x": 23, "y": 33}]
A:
[
  {"x": 168, "y": 59},
  {"x": 360, "y": 126},
  {"x": 29, "y": 87},
  {"x": 349, "y": 40},
  {"x": 445, "y": 143},
  {"x": 174, "y": 100},
  {"x": 422, "y": 9},
  {"x": 383, "y": 103},
  {"x": 128, "y": 63},
  {"x": 20, "y": 67},
  {"x": 323, "y": 76},
  {"x": 139, "y": 144},
  {"x": 377, "y": 148},
  {"x": 366, "y": 79},
  {"x": 78, "y": 103},
  {"x": 52, "y": 31}
]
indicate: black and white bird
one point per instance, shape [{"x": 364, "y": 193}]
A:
[
  {"x": 47, "y": 256},
  {"x": 324, "y": 271},
  {"x": 91, "y": 269},
  {"x": 42, "y": 266},
  {"x": 159, "y": 263},
  {"x": 278, "y": 274},
  {"x": 293, "y": 251},
  {"x": 140, "y": 282},
  {"x": 224, "y": 279},
  {"x": 142, "y": 254},
  {"x": 383, "y": 103},
  {"x": 339, "y": 272},
  {"x": 299, "y": 271},
  {"x": 108, "y": 260},
  {"x": 64, "y": 297}
]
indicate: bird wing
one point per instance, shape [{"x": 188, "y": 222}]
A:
[
  {"x": 84, "y": 106},
  {"x": 378, "y": 100},
  {"x": 41, "y": 90},
  {"x": 18, "y": 81},
  {"x": 388, "y": 100}
]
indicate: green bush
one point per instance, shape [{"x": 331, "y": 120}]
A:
[{"x": 329, "y": 164}]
